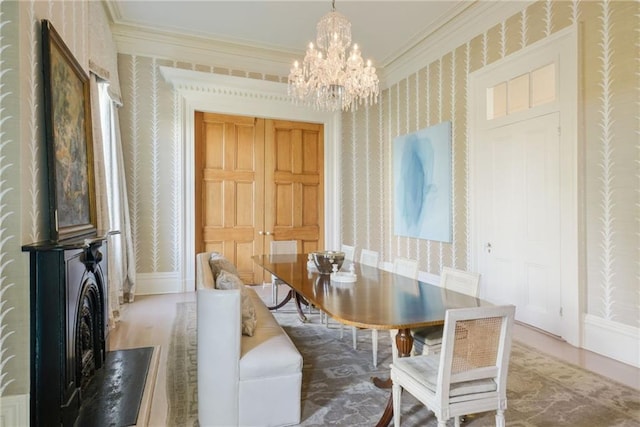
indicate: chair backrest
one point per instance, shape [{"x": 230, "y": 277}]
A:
[
  {"x": 285, "y": 249},
  {"x": 368, "y": 257},
  {"x": 460, "y": 281},
  {"x": 406, "y": 267},
  {"x": 476, "y": 345},
  {"x": 349, "y": 252}
]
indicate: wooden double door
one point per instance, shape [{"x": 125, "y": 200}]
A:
[{"x": 257, "y": 180}]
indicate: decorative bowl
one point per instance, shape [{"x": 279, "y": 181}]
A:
[{"x": 324, "y": 260}]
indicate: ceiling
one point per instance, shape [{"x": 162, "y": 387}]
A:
[{"x": 383, "y": 29}]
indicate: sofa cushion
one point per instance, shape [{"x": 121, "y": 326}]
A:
[
  {"x": 269, "y": 353},
  {"x": 219, "y": 263},
  {"x": 226, "y": 281}
]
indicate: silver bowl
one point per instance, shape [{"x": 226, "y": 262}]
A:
[{"x": 324, "y": 260}]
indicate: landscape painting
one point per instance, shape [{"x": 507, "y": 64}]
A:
[
  {"x": 422, "y": 183},
  {"x": 72, "y": 206}
]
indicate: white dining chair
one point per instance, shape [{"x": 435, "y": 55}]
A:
[
  {"x": 406, "y": 267},
  {"x": 428, "y": 340},
  {"x": 349, "y": 252},
  {"x": 280, "y": 247},
  {"x": 368, "y": 259},
  {"x": 470, "y": 373}
]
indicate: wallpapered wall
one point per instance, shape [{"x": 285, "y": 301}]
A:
[
  {"x": 23, "y": 196},
  {"x": 437, "y": 93}
]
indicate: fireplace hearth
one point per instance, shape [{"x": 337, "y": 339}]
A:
[{"x": 69, "y": 329}]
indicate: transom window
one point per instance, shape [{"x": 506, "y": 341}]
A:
[{"x": 526, "y": 91}]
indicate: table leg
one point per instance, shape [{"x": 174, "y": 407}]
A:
[
  {"x": 301, "y": 315},
  {"x": 404, "y": 342},
  {"x": 283, "y": 302},
  {"x": 298, "y": 300}
]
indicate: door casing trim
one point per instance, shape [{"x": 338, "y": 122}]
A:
[
  {"x": 563, "y": 48},
  {"x": 217, "y": 93}
]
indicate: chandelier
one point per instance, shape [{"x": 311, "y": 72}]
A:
[{"x": 329, "y": 78}]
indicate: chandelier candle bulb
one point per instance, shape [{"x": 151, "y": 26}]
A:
[{"x": 329, "y": 79}]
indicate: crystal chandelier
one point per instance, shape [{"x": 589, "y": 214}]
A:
[{"x": 328, "y": 78}]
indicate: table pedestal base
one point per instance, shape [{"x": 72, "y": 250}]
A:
[{"x": 404, "y": 343}]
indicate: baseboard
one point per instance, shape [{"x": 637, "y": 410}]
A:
[
  {"x": 612, "y": 339},
  {"x": 14, "y": 410},
  {"x": 158, "y": 283}
]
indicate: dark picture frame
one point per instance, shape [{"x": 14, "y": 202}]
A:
[{"x": 67, "y": 116}]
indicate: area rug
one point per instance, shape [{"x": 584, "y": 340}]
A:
[{"x": 337, "y": 388}]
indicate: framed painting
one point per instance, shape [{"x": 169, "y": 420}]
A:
[
  {"x": 67, "y": 111},
  {"x": 422, "y": 183}
]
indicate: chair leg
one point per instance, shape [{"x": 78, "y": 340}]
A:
[
  {"x": 274, "y": 292},
  {"x": 341, "y": 331},
  {"x": 374, "y": 346},
  {"x": 354, "y": 337},
  {"x": 396, "y": 391},
  {"x": 500, "y": 418},
  {"x": 394, "y": 349},
  {"x": 456, "y": 422}
]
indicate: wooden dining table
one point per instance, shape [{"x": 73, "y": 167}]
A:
[{"x": 377, "y": 299}]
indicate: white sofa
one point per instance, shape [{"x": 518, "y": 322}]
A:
[{"x": 242, "y": 380}]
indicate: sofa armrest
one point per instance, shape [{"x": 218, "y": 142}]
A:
[
  {"x": 218, "y": 334},
  {"x": 204, "y": 275}
]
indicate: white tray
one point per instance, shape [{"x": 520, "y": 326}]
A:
[{"x": 343, "y": 277}]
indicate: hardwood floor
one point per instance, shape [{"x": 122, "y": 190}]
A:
[{"x": 148, "y": 321}]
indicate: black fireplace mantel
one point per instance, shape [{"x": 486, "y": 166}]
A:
[{"x": 68, "y": 280}]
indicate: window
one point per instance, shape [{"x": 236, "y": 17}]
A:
[{"x": 521, "y": 93}]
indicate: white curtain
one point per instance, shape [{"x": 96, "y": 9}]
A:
[{"x": 111, "y": 198}]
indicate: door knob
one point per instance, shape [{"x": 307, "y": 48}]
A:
[
  {"x": 261, "y": 232},
  {"x": 268, "y": 233}
]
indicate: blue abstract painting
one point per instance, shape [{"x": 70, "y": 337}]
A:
[{"x": 422, "y": 183}]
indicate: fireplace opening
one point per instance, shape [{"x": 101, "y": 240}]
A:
[{"x": 89, "y": 333}]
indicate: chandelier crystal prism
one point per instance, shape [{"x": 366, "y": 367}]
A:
[{"x": 328, "y": 78}]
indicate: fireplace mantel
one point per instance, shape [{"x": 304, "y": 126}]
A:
[{"x": 69, "y": 324}]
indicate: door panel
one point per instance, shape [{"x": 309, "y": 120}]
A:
[
  {"x": 230, "y": 156},
  {"x": 295, "y": 183},
  {"x": 519, "y": 213},
  {"x": 257, "y": 180}
]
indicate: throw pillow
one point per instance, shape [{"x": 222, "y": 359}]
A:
[
  {"x": 218, "y": 262},
  {"x": 226, "y": 281}
]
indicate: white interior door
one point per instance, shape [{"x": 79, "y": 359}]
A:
[{"x": 518, "y": 199}]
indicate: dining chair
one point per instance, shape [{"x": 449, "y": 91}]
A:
[
  {"x": 368, "y": 258},
  {"x": 280, "y": 247},
  {"x": 470, "y": 373},
  {"x": 406, "y": 267},
  {"x": 349, "y": 255},
  {"x": 428, "y": 340},
  {"x": 349, "y": 252}
]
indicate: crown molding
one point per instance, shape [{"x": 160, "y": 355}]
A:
[
  {"x": 138, "y": 40},
  {"x": 427, "y": 32},
  {"x": 460, "y": 28}
]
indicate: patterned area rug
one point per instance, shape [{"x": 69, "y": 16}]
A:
[{"x": 337, "y": 390}]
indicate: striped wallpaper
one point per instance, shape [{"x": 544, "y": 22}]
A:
[{"x": 437, "y": 93}]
